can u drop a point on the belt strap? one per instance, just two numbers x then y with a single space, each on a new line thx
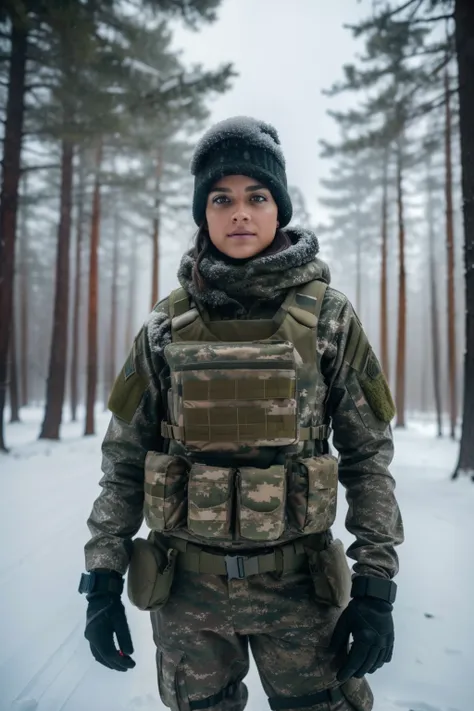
300 702
192 558
320 432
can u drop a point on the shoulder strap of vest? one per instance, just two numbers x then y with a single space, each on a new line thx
304 302
310 297
178 302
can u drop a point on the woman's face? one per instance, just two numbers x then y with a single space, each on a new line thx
241 216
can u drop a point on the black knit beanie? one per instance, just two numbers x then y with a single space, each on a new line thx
240 146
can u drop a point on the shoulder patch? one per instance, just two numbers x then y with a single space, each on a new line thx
376 389
128 389
129 367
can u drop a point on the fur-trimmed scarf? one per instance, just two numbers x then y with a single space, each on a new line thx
229 282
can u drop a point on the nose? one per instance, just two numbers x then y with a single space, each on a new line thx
240 214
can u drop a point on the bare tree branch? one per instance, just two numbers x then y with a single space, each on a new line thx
32 168
438 18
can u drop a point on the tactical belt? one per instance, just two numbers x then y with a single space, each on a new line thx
318 432
282 559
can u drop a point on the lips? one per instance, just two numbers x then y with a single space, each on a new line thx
241 234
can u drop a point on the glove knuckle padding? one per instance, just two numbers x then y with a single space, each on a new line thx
371 625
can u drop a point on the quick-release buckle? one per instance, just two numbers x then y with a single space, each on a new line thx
235 567
86 583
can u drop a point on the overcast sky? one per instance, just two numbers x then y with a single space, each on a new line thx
286 52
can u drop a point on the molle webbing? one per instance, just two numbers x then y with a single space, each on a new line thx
257 402
319 432
234 392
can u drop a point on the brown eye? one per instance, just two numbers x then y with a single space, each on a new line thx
258 198
220 200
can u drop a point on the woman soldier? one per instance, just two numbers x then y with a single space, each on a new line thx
219 439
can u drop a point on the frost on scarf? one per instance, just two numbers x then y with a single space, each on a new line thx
158 327
265 277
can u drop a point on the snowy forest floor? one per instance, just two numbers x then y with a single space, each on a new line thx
45 664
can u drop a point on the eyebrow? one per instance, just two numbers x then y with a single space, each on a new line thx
249 189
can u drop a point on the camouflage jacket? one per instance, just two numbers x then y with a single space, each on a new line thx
361 435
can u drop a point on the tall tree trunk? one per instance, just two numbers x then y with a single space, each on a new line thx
77 288
12 142
24 299
383 277
14 395
434 312
464 18
132 292
451 316
156 230
111 360
58 355
93 300
401 331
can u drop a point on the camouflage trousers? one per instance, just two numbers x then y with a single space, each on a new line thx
204 631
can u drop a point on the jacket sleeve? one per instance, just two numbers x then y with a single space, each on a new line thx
361 408
117 513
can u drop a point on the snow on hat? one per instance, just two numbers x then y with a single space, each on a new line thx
240 146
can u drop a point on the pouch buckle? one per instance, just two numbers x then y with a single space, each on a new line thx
235 567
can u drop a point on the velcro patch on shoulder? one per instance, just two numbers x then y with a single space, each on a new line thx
305 301
376 389
129 367
127 390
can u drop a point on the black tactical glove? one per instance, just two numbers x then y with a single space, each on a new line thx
370 622
106 616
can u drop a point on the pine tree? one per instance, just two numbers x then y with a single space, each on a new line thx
17 18
433 288
464 19
59 94
431 15
383 122
353 231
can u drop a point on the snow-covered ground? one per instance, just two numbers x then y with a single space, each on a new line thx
45 664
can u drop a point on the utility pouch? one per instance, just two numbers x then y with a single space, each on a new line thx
312 495
150 573
210 501
262 502
166 479
331 574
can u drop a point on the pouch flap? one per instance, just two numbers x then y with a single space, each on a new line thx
322 471
209 486
163 473
263 489
149 575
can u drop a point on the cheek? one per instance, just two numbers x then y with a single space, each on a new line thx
216 224
268 218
